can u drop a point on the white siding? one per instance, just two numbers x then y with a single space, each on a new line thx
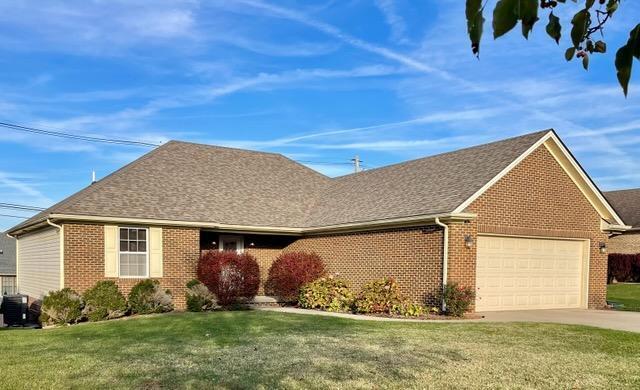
39 263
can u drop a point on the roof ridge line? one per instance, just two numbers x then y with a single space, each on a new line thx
443 153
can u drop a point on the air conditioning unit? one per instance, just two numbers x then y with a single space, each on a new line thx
14 310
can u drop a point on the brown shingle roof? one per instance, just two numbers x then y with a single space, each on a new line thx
200 183
627 205
426 186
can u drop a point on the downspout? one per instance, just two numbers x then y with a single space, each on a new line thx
445 258
61 249
53 224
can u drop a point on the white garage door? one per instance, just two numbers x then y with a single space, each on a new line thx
526 273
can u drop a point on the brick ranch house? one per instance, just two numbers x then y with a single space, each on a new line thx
627 205
518 220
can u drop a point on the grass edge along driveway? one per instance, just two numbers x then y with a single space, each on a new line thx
256 349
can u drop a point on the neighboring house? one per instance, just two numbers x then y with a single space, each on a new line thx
627 204
518 220
7 265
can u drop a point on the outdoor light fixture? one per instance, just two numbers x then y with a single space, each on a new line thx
468 240
252 244
603 247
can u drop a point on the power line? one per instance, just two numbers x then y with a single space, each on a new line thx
20 207
62 134
115 141
13 216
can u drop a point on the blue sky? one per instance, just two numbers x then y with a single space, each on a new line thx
319 81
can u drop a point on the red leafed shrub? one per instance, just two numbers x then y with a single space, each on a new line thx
229 275
290 271
624 268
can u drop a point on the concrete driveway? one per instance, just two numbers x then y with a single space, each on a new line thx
610 319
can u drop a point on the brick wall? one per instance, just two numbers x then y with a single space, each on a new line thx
537 198
84 259
413 256
628 243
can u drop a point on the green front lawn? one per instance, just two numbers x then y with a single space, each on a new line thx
627 294
253 349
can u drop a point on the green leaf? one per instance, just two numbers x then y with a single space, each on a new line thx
600 47
634 41
475 22
554 28
585 62
612 6
505 17
589 4
580 23
528 13
624 62
568 55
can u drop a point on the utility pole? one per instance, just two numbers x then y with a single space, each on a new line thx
356 163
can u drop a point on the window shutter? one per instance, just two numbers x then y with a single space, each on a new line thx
110 251
155 252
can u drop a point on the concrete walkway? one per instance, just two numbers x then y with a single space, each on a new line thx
608 319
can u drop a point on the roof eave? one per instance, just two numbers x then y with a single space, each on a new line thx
416 220
409 221
22 229
615 228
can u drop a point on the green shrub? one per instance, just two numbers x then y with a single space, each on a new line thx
199 298
409 309
457 299
148 297
61 307
380 296
327 294
104 301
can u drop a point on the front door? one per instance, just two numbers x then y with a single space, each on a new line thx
231 243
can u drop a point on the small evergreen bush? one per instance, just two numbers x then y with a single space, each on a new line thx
326 293
229 276
148 297
104 301
457 299
199 298
290 271
61 307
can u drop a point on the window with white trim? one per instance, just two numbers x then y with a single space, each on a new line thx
134 252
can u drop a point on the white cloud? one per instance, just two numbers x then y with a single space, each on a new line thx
29 194
393 19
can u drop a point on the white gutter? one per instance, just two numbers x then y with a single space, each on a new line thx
403 221
53 224
445 257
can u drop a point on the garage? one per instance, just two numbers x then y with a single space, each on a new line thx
520 273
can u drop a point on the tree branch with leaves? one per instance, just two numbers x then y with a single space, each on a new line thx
586 26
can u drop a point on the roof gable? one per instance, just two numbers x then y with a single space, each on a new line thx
570 165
